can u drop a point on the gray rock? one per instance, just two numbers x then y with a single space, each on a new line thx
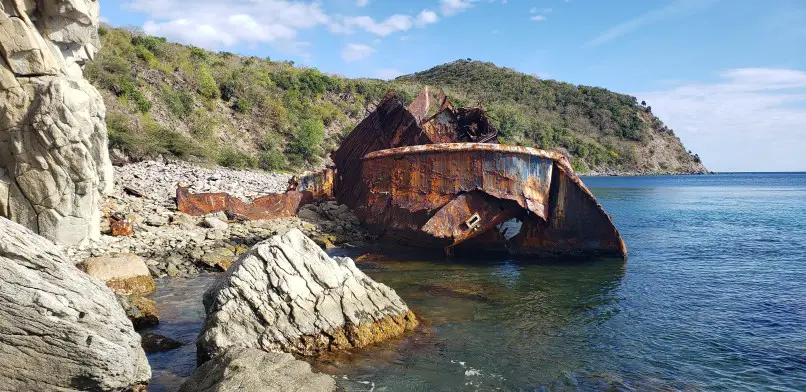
60 329
157 220
252 370
54 164
155 343
215 223
286 294
309 215
184 220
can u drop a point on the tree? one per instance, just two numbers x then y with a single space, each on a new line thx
643 103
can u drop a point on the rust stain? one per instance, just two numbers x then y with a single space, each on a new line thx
121 226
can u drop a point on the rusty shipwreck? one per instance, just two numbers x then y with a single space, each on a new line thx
435 177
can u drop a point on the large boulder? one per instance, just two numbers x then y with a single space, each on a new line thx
252 370
54 163
59 328
125 273
286 294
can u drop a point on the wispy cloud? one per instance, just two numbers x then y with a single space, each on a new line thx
751 119
676 7
453 7
538 18
362 3
392 24
426 17
355 52
214 24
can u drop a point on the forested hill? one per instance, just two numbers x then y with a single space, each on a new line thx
169 99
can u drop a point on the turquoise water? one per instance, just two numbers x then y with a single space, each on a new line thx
712 297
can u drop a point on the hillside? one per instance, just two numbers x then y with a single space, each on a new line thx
168 99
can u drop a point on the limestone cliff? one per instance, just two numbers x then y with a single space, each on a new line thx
54 163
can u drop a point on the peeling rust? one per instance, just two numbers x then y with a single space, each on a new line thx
272 206
319 184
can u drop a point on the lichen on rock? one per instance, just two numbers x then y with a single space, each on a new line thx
54 163
286 294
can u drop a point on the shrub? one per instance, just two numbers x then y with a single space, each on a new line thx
179 103
177 144
230 157
227 89
579 166
271 160
308 139
242 106
205 83
153 44
198 54
120 132
143 105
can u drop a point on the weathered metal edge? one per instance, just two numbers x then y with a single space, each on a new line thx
453 147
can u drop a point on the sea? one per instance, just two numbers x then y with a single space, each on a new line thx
711 298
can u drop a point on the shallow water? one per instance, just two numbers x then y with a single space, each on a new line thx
713 297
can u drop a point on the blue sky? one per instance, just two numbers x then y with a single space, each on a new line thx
728 75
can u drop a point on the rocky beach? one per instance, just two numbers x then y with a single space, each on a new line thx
177 244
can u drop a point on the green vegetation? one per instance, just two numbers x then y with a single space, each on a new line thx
166 98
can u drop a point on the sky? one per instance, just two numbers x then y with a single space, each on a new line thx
729 76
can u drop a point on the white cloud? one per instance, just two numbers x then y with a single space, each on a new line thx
426 17
538 18
387 73
677 7
215 24
356 52
751 119
362 3
392 24
453 7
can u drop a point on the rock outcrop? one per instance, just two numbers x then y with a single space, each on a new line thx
60 329
252 370
54 163
286 294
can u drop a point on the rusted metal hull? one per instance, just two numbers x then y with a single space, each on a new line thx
272 206
432 176
430 196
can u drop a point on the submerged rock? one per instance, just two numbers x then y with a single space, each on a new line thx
60 329
140 310
252 370
286 294
155 343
